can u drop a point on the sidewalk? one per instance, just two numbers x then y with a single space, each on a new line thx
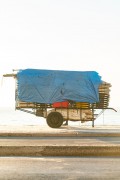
70 130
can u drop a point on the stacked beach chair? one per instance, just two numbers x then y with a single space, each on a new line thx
104 96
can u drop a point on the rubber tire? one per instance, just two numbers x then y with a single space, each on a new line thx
54 120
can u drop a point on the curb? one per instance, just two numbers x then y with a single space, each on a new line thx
75 134
60 151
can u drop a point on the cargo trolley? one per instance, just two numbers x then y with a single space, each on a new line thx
62 110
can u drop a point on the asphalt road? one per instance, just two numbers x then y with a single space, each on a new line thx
59 140
59 168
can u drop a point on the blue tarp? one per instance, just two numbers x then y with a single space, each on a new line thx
49 86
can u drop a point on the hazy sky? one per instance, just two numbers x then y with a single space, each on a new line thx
60 34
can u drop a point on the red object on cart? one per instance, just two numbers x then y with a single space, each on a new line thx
61 104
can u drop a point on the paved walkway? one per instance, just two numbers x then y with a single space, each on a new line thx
45 130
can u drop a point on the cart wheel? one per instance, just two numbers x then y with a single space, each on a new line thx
54 119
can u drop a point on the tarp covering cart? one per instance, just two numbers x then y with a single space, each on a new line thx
61 96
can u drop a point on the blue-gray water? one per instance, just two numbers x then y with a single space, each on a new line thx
8 116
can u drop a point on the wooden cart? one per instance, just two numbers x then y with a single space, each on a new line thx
66 111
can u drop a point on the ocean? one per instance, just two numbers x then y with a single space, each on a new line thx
10 116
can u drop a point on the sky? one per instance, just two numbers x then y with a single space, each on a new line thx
82 35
